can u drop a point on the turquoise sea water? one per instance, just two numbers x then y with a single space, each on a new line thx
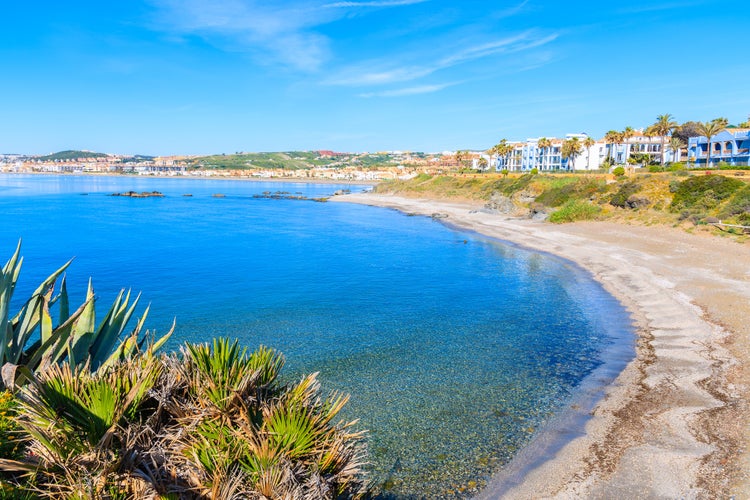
455 348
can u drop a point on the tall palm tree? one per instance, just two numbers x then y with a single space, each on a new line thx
588 142
676 144
612 138
663 126
544 144
710 129
571 149
501 150
460 156
626 135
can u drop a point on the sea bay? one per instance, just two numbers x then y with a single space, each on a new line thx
455 348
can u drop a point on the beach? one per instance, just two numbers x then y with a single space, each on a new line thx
673 423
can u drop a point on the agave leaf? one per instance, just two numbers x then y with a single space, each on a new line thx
45 319
111 328
8 279
57 344
155 346
64 302
23 326
83 328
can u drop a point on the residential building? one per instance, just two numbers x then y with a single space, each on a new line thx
638 143
528 155
731 145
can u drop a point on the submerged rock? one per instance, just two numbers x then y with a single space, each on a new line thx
144 194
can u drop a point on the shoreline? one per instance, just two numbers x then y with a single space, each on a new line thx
672 423
289 180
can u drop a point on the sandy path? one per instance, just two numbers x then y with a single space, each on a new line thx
673 425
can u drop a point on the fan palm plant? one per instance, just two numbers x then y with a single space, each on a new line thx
283 439
210 422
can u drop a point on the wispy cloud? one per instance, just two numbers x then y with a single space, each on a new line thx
362 75
655 7
421 89
382 3
284 32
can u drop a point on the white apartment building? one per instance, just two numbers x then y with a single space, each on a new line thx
638 143
528 155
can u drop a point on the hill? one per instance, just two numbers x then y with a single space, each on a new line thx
289 160
71 155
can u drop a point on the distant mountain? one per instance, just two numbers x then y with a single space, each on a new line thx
71 155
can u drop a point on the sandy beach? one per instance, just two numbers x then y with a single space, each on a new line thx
674 422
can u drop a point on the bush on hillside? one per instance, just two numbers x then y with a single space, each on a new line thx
560 193
620 198
738 207
575 210
619 171
703 192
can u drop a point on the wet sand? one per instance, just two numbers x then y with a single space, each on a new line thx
674 423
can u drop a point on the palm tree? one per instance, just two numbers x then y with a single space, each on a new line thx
663 126
710 129
544 144
459 156
675 144
501 150
626 135
571 149
612 137
588 142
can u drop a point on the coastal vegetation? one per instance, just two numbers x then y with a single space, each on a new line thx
103 415
678 198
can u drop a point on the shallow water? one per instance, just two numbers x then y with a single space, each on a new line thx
455 348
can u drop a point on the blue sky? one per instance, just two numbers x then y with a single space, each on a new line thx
200 76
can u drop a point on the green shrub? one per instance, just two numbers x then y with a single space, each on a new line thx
738 206
423 177
575 210
568 188
703 191
620 198
619 171
676 167
655 168
534 171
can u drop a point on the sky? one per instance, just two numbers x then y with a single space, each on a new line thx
164 77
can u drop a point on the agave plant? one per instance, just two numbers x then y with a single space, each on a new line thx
29 342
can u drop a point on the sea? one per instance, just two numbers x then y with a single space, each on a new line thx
458 350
